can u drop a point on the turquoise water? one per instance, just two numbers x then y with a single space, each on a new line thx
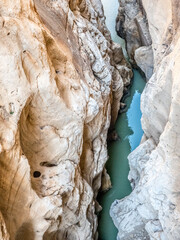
128 126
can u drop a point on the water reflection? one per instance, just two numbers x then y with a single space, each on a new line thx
129 129
134 115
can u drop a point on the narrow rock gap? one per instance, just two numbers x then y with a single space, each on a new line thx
129 131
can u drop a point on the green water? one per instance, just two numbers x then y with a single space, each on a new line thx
128 126
129 129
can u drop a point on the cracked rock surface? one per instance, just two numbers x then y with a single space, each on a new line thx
61 77
154 166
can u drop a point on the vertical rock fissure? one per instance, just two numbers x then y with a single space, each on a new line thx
128 127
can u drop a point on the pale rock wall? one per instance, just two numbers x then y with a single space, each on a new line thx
152 210
59 75
145 60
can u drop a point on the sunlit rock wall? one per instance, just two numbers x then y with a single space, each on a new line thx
153 209
60 74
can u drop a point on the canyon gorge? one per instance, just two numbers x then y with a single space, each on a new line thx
62 82
152 209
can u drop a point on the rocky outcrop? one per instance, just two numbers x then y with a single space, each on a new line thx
144 59
132 25
154 207
60 73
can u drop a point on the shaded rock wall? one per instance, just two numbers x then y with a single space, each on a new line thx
60 73
154 203
132 25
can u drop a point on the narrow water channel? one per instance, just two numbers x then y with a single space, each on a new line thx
128 126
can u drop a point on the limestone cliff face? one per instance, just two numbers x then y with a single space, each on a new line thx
132 25
60 73
153 209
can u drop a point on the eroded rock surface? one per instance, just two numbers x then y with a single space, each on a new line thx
60 73
132 25
155 165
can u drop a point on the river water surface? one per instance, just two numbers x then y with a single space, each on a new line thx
129 128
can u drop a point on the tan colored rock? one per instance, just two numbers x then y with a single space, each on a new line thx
154 207
3 231
106 181
58 79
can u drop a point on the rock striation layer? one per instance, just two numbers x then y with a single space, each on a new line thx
154 207
61 76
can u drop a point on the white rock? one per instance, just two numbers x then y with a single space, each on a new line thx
155 164
144 59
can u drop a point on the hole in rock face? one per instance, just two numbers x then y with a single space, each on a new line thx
48 164
36 174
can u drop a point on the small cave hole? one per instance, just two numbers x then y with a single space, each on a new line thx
36 174
48 164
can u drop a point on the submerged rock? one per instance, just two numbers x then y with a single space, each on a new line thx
106 181
113 136
123 108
